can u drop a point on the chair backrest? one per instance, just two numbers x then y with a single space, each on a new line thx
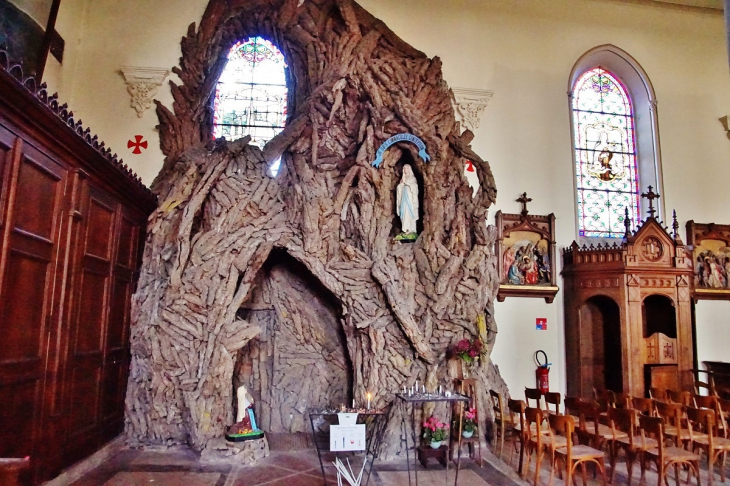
553 398
624 420
572 405
533 419
533 394
497 404
653 426
622 400
699 419
604 398
516 407
657 393
709 401
723 409
563 425
670 412
682 397
645 406
701 385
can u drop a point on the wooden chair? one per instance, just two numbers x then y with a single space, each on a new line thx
606 398
674 428
590 430
723 406
705 401
709 442
499 421
533 394
665 457
533 420
571 455
552 398
517 425
645 406
622 400
572 407
657 393
681 397
625 420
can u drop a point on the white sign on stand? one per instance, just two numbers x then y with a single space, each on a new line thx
347 438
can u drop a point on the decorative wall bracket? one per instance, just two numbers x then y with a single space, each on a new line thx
725 124
469 105
143 84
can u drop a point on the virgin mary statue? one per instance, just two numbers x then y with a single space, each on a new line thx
407 199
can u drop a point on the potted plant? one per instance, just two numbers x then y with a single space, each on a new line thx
434 431
469 351
470 424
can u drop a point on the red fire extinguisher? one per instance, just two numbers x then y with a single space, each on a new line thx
542 381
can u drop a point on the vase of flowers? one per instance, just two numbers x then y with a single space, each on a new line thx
469 351
470 424
434 431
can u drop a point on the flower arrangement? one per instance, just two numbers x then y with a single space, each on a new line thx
434 430
469 350
470 417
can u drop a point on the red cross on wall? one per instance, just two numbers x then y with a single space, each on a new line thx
137 144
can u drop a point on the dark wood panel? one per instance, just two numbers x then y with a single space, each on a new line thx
84 411
92 307
127 237
99 230
22 306
118 314
17 414
41 186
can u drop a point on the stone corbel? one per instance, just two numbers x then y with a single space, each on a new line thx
143 84
469 105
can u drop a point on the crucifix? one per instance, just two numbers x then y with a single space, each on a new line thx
524 200
651 195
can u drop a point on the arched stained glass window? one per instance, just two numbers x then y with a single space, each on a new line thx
605 154
250 98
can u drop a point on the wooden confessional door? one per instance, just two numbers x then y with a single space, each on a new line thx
34 210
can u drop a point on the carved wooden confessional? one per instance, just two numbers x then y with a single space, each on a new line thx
628 323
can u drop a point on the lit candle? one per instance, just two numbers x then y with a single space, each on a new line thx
439 389
369 400
424 389
353 403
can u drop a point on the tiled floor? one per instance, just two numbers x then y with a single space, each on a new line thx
181 467
176 467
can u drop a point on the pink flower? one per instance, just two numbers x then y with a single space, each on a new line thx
473 353
462 345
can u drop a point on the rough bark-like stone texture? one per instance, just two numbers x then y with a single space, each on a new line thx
353 84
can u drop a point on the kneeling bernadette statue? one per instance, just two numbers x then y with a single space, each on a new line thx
245 427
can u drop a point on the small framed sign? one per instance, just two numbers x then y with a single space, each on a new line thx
347 438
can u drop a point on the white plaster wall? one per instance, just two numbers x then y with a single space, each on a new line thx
523 50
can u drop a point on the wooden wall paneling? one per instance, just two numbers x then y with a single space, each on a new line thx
92 294
72 220
30 294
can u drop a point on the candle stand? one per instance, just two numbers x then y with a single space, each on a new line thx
413 400
375 421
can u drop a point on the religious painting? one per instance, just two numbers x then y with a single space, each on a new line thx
526 254
710 244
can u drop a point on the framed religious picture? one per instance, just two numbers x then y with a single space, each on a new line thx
526 254
710 245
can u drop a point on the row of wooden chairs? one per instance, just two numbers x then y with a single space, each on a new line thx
615 420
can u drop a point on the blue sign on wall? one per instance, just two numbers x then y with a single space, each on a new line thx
401 137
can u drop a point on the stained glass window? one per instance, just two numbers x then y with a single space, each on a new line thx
250 98
605 155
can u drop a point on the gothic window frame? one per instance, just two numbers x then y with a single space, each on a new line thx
254 86
640 91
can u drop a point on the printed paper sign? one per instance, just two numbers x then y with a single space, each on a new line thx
541 323
347 438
